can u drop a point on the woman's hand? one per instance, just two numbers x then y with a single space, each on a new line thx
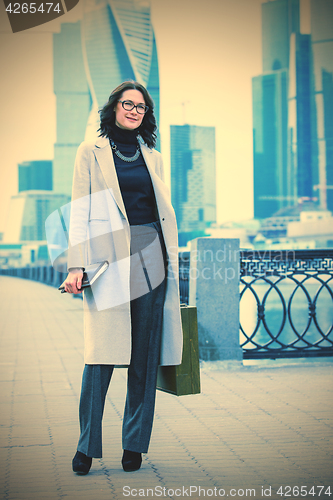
73 281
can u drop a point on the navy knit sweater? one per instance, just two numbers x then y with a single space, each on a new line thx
134 179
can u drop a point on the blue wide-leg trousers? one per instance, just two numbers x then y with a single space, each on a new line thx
146 320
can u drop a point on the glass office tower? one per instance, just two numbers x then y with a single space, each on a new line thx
280 18
73 103
270 134
322 47
293 109
193 179
114 42
285 149
302 132
35 174
28 211
118 44
273 188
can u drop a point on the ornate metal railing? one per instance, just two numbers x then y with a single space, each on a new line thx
49 276
45 274
292 293
286 302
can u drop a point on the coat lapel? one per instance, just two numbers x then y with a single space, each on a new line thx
160 188
104 158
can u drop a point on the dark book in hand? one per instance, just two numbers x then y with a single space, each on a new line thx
90 275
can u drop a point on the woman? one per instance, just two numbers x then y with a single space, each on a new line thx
121 212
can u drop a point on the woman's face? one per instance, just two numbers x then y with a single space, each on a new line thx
129 120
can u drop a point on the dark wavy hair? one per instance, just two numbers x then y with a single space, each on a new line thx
148 126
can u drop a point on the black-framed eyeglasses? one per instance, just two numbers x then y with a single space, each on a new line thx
129 105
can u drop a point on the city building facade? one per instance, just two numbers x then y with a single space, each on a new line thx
35 174
273 178
293 109
73 102
322 50
270 134
28 211
114 42
193 179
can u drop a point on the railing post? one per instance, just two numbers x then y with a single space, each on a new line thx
49 275
214 290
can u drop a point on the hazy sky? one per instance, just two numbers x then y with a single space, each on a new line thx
208 51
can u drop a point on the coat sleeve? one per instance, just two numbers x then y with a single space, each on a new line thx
80 208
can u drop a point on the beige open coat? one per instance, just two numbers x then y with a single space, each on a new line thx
99 230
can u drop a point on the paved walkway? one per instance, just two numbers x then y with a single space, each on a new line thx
251 427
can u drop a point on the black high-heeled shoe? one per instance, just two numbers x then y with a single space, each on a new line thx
81 463
131 461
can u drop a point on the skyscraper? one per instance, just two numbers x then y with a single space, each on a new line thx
35 174
322 48
73 103
118 44
273 188
302 130
114 42
270 134
193 183
28 211
280 18
34 202
293 108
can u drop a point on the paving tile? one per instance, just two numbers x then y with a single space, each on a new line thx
249 427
